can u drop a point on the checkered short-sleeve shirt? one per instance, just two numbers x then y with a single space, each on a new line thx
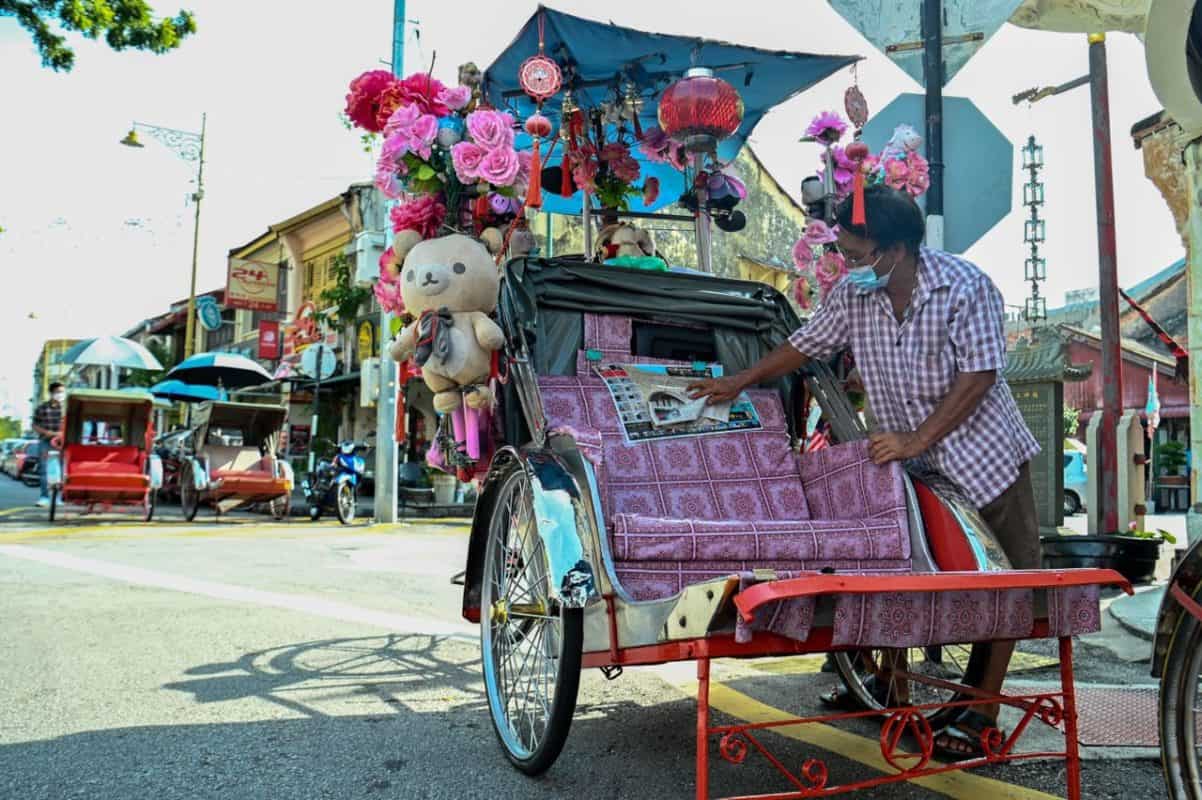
954 324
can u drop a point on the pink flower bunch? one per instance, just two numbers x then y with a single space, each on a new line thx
489 155
657 147
803 254
910 174
827 127
818 233
409 130
621 163
388 295
585 167
424 214
803 292
845 170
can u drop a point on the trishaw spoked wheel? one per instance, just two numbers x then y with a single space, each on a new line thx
880 678
530 645
280 506
346 504
1180 717
189 497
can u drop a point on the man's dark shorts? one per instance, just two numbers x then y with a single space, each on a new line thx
1015 522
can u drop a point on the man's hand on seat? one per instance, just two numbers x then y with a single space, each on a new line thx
717 390
886 447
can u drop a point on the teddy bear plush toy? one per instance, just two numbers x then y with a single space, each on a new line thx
450 284
624 240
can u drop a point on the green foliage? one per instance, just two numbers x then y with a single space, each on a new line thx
614 192
124 24
1159 533
367 139
10 427
1170 456
146 379
1072 418
345 297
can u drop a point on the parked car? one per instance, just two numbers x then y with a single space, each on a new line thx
1076 481
7 447
21 462
30 471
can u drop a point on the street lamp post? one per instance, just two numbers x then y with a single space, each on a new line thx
190 147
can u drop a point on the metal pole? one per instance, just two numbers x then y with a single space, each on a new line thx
1193 160
190 326
316 409
932 62
385 500
1108 290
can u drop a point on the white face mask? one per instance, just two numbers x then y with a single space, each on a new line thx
58 397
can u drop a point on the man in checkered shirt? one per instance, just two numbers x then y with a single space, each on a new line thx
47 422
926 331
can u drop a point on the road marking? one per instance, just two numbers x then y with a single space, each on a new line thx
241 594
10 511
118 531
959 785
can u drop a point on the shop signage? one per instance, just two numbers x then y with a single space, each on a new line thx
367 341
302 331
208 313
252 285
269 339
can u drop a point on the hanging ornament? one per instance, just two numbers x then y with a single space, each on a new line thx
857 151
633 106
539 128
540 78
699 110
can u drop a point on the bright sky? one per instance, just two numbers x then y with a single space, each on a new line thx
98 236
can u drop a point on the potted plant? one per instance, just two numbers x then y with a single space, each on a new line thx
1133 554
1170 459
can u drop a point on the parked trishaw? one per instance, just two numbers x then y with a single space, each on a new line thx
232 459
102 458
602 540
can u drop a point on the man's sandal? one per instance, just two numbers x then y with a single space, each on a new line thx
961 739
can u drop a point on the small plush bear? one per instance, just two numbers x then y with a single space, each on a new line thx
623 239
450 284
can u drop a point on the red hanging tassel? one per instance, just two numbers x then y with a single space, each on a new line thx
481 212
857 152
534 192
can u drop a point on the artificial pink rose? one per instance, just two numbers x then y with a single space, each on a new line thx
803 254
423 132
388 181
490 129
650 190
363 100
802 292
818 233
827 126
525 163
654 145
919 182
614 151
424 214
467 157
499 166
424 91
388 294
455 97
829 270
402 119
896 173
386 266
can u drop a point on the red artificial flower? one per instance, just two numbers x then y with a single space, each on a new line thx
424 214
363 100
425 92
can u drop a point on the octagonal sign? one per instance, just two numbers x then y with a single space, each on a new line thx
978 159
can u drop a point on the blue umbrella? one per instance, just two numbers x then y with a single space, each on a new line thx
228 370
187 392
604 57
110 351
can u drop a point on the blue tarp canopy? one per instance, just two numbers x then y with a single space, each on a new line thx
599 58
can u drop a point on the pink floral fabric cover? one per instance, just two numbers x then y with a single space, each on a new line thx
687 510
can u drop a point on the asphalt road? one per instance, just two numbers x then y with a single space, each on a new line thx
249 659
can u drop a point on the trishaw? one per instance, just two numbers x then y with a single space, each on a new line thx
592 547
103 455
1177 661
231 459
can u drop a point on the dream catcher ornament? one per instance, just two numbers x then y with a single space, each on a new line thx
541 79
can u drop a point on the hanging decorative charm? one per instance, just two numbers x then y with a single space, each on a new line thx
540 78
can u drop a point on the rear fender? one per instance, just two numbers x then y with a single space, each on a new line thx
1189 577
561 517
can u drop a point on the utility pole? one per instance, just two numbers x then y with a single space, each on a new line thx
932 62
1107 501
1108 289
385 501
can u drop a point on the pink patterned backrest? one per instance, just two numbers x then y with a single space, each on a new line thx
741 475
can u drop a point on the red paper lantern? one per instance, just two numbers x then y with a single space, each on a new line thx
699 110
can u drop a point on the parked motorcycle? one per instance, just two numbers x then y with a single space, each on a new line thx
334 483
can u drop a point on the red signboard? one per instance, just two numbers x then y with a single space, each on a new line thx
269 340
